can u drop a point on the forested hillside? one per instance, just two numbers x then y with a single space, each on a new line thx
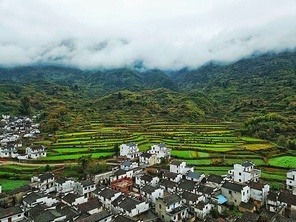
249 91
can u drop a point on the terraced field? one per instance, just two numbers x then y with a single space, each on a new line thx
211 148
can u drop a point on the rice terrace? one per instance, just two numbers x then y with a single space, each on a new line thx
211 148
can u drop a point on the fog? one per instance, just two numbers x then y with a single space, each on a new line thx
158 34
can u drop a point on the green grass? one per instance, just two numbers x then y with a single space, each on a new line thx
250 139
184 154
199 162
8 185
75 156
283 161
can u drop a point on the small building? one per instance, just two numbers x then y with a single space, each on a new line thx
291 181
168 185
128 165
73 199
120 174
172 176
142 179
180 167
202 209
36 152
107 195
148 159
12 214
194 176
124 185
151 193
171 208
44 182
8 152
85 188
258 193
130 150
161 151
102 216
34 198
235 193
64 185
132 207
245 172
90 207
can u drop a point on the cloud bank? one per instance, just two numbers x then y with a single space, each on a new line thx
166 34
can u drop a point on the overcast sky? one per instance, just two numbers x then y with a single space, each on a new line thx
165 34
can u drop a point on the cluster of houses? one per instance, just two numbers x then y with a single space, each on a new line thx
15 131
138 191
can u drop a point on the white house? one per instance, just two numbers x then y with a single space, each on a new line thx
107 195
235 193
128 165
148 159
64 185
8 152
73 199
151 193
132 207
291 181
171 208
175 177
36 152
11 214
44 182
130 150
193 176
85 188
34 198
120 174
180 167
161 151
259 192
143 179
202 209
245 172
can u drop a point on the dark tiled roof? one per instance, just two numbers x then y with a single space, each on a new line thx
256 185
170 175
48 216
171 199
146 155
215 178
32 197
247 216
118 200
69 212
126 163
190 196
120 172
200 205
10 211
287 198
193 175
168 183
96 217
233 186
147 216
122 218
146 177
187 185
205 189
108 193
175 162
148 189
247 164
37 210
87 183
272 196
61 180
89 205
128 204
71 197
131 144
45 176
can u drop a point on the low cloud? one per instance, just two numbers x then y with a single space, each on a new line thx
159 34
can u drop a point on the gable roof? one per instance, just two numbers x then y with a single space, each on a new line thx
146 177
89 205
247 164
146 155
120 172
107 193
215 178
190 196
122 218
61 180
149 189
205 189
170 175
45 176
96 217
287 198
175 162
193 175
168 183
128 204
10 211
233 186
86 183
48 215
32 197
126 163
187 185
256 185
71 197
171 199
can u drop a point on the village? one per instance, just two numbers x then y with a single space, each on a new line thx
144 186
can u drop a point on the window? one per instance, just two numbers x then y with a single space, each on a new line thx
240 174
159 206
240 180
230 192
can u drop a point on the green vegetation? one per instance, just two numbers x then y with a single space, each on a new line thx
8 185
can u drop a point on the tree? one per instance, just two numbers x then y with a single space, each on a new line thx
116 149
25 108
84 162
